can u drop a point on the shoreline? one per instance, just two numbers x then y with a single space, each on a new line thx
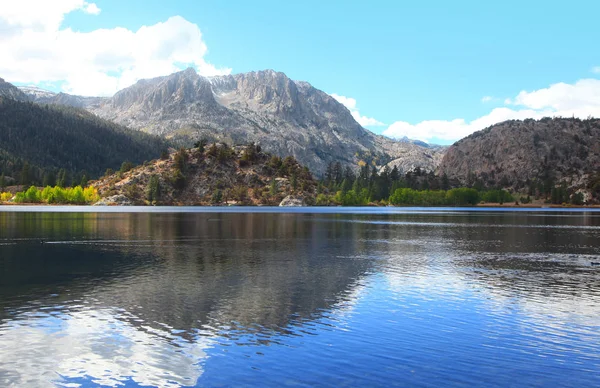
375 210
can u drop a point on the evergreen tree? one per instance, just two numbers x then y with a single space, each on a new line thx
217 196
338 174
201 145
84 180
25 175
2 181
49 179
61 180
445 182
153 189
273 188
395 174
294 181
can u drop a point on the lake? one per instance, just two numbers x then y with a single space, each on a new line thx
298 297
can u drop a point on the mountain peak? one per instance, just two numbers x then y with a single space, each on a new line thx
190 72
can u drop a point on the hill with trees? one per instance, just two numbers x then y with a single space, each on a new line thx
52 144
210 174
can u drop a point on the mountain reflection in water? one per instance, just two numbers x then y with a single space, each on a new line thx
182 299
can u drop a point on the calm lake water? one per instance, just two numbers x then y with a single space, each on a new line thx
300 298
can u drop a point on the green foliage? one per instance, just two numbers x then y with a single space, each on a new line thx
275 162
180 160
125 167
200 145
406 196
273 189
153 189
497 196
25 176
240 194
61 180
525 200
178 179
322 200
217 196
2 181
225 153
58 195
84 180
577 199
559 195
132 192
294 181
351 198
462 196
249 155
453 197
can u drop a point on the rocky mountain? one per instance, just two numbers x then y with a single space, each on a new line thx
515 153
10 91
408 155
42 96
286 117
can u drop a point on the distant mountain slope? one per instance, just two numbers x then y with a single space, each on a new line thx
42 96
514 153
11 91
286 117
59 137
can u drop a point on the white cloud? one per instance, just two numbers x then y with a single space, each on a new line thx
596 69
36 49
350 103
487 98
581 99
92 9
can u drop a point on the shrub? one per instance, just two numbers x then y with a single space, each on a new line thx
5 197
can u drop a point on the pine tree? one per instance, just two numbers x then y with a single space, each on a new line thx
395 174
2 181
25 175
445 182
153 189
273 188
84 180
294 181
61 180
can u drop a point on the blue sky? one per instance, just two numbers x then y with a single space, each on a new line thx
406 62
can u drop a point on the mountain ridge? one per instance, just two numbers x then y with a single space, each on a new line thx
286 117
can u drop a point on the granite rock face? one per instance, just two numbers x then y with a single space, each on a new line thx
286 117
114 200
511 153
293 201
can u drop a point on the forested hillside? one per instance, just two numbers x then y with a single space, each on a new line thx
42 144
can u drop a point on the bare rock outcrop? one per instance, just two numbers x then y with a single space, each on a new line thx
515 153
293 201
